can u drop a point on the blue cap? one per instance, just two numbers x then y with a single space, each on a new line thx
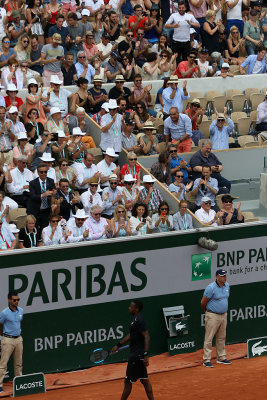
221 272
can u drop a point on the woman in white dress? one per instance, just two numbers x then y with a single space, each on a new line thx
140 223
53 234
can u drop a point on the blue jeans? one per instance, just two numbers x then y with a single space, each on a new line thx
250 50
239 23
153 113
199 30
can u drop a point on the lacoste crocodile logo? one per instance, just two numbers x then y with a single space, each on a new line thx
258 350
179 326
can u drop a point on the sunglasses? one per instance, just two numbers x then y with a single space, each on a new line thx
16 66
6 41
164 55
150 183
130 35
164 209
121 212
93 185
140 34
228 202
80 219
15 299
207 202
139 107
129 183
55 220
173 151
132 159
191 56
81 57
26 41
42 172
179 176
113 183
23 163
64 165
96 214
138 80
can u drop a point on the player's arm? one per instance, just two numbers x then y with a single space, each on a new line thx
204 302
146 345
125 340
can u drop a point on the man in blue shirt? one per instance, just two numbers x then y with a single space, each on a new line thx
174 96
59 28
215 304
219 133
178 164
256 63
11 343
179 128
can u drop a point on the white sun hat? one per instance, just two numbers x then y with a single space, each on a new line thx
47 157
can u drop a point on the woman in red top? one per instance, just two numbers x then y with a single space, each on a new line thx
131 168
10 5
51 11
195 113
11 99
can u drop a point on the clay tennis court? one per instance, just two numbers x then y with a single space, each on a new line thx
245 379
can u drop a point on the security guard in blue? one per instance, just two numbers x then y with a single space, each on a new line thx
11 343
215 304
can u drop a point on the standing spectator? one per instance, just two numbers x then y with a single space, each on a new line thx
195 113
33 100
199 9
10 321
68 70
51 55
111 126
173 96
138 20
106 167
182 220
178 126
89 47
181 22
219 134
234 14
252 33
35 55
98 27
141 48
155 24
188 69
85 20
34 17
150 196
112 67
97 95
112 25
76 35
235 44
215 304
83 68
211 32
256 63
60 29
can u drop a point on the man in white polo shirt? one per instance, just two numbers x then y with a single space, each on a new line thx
107 167
111 128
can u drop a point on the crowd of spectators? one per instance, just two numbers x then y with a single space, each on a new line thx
46 165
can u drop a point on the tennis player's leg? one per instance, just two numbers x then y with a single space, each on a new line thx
148 388
127 390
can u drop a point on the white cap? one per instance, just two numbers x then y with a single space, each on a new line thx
22 135
80 214
13 109
110 152
205 199
55 79
77 132
54 110
32 81
192 30
105 106
129 178
148 179
61 134
85 11
11 87
47 157
112 104
225 65
13 228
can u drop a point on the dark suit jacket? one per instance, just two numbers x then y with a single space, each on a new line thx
66 207
34 202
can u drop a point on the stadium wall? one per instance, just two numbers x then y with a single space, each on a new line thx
76 298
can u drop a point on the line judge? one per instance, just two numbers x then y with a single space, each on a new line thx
11 343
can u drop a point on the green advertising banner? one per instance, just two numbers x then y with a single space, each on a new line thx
29 384
257 347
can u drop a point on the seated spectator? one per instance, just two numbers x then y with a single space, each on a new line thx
83 68
81 98
261 124
178 188
106 167
6 138
112 67
152 68
161 45
173 96
130 193
178 128
40 147
206 215
105 48
205 186
56 123
35 55
6 204
195 113
53 234
205 157
47 160
252 33
98 116
7 239
41 191
51 56
149 143
159 99
57 96
219 133
23 48
22 149
16 28
91 197
182 220
76 225
89 47
129 68
178 164
225 71
138 20
150 195
8 54
167 64
235 46
120 223
119 91
129 141
33 100
96 95
111 127
33 128
127 46
16 126
162 221
66 201
161 169
255 62
13 75
98 26
140 93
188 69
229 214
30 236
111 196
84 171
68 70
202 62
131 168
99 228
140 222
194 44
211 31
141 116
64 171
61 148
79 147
